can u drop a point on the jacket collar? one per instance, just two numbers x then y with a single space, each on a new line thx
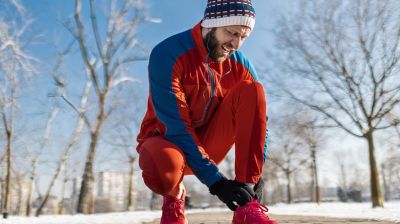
198 41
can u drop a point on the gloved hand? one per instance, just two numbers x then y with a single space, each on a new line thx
232 193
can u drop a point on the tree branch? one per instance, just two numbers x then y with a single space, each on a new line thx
84 51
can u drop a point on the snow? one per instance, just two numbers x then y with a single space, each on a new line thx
391 212
109 218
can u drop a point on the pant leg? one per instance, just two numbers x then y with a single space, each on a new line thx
162 165
241 120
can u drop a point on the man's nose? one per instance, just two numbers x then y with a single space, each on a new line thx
236 43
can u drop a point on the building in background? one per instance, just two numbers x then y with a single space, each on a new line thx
110 191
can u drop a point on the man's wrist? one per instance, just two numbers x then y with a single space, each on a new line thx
217 186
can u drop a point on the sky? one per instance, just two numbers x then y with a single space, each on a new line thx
176 16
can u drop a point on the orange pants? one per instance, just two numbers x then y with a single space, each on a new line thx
240 119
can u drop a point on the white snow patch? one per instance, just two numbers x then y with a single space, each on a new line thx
391 212
109 218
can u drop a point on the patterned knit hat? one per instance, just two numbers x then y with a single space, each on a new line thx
229 12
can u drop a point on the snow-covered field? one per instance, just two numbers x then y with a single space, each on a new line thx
391 212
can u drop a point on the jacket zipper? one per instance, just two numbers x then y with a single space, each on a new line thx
212 90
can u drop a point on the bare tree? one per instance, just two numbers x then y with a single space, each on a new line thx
16 194
35 157
62 201
78 127
73 139
289 158
288 163
106 61
307 128
346 56
390 173
15 64
273 190
129 205
343 171
30 187
123 139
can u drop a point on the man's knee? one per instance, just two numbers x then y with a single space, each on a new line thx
160 185
162 164
250 87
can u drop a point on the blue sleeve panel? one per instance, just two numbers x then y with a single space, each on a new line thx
165 102
241 59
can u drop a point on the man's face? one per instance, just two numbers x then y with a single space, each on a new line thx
223 41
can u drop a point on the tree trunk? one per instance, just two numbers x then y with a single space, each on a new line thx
9 134
87 179
86 199
315 176
129 205
153 201
61 204
61 166
49 190
8 181
312 184
344 177
32 179
376 194
1 191
29 198
288 188
386 187
18 203
91 198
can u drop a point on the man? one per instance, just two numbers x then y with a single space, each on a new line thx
204 97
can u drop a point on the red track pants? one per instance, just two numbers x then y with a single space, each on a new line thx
240 119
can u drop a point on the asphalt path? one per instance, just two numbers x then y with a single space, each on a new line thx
226 218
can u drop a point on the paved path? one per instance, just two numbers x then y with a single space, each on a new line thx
226 218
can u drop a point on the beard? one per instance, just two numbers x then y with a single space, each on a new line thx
213 46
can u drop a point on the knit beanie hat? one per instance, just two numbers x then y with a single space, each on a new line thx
229 12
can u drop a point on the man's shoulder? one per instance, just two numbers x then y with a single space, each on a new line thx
238 56
175 45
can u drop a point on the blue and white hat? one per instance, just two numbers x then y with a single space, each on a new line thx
229 12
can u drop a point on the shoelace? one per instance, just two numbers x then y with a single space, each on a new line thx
257 209
176 207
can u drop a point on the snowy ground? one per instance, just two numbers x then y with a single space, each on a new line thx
391 212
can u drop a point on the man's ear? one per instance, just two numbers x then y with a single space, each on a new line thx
205 31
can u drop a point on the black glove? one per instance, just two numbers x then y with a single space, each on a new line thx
232 193
258 190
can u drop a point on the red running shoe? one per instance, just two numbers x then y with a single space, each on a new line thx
173 210
252 213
